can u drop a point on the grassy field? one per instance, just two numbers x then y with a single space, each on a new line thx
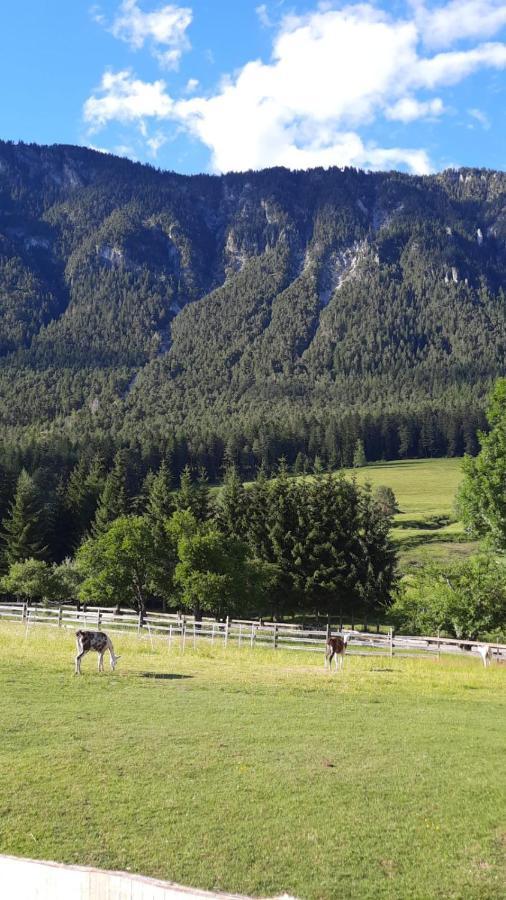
425 489
255 771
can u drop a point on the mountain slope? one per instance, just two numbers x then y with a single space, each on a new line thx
137 301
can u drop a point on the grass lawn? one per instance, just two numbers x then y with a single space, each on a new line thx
255 771
425 489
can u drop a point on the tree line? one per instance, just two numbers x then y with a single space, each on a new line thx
278 545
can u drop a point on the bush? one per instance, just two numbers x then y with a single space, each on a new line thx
466 599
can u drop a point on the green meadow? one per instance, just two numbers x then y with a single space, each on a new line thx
255 771
426 526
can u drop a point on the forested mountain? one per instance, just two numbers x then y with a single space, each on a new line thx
248 315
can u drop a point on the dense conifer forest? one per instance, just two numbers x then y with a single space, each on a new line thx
245 317
159 332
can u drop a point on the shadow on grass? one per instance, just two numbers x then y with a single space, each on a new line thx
419 540
430 524
165 676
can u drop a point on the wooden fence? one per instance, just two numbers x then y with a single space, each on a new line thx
180 632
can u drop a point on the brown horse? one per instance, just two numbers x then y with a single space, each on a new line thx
335 649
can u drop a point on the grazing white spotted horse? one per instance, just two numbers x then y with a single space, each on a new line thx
485 651
335 649
94 640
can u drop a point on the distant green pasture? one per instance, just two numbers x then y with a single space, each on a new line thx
255 771
426 526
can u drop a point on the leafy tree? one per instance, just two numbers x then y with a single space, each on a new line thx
24 525
385 500
482 497
67 580
30 580
117 565
466 599
214 572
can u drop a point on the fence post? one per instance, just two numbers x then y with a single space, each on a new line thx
240 633
183 634
170 637
99 619
25 608
194 636
439 644
253 629
391 641
276 636
227 626
59 616
328 630
139 623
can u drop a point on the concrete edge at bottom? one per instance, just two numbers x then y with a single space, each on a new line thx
48 880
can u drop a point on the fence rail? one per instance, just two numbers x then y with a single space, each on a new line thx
186 631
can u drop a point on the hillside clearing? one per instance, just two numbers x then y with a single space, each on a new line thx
425 528
255 771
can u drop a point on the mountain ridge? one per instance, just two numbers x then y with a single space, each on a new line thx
132 298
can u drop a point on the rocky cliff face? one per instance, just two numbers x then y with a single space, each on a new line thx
125 291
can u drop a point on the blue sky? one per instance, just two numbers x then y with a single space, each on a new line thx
216 86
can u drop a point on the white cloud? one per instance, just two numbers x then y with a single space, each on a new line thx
450 68
459 20
263 15
332 73
191 85
164 30
124 98
154 143
480 117
407 109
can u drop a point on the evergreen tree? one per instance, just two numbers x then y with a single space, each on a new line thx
186 496
113 499
359 457
482 496
202 497
24 525
258 517
231 506
84 487
160 501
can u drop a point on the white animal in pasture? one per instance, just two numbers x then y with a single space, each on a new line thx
485 651
335 649
94 640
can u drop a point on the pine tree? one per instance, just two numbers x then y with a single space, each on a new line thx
113 499
160 501
24 525
258 518
84 487
186 497
231 506
202 497
283 532
359 457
